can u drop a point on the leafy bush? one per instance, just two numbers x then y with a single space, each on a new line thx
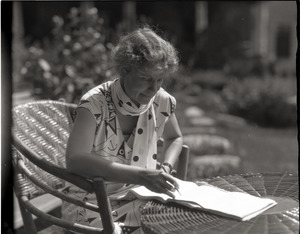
262 101
209 79
77 58
249 66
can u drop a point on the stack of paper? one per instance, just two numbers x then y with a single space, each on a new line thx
238 205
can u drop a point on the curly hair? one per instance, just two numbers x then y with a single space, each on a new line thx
144 48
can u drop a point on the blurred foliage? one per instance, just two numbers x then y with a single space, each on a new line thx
77 58
269 101
209 79
249 66
262 101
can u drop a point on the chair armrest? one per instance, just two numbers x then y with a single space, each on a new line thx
183 161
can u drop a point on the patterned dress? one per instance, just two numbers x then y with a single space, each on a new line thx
111 144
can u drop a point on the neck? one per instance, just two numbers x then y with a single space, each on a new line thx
124 88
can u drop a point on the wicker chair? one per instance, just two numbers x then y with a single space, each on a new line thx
39 137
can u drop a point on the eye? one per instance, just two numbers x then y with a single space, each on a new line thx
148 79
160 80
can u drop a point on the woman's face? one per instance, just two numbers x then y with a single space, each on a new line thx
141 85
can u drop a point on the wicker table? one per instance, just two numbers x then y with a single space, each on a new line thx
283 218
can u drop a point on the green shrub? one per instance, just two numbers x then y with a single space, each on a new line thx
76 59
262 101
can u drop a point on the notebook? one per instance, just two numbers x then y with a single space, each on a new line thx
238 205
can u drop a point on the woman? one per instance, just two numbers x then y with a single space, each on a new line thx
118 124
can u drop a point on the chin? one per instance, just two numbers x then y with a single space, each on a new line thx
145 100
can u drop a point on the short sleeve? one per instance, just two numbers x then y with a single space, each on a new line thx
93 101
172 104
165 103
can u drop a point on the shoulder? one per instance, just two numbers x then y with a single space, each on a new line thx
97 93
96 100
163 96
164 102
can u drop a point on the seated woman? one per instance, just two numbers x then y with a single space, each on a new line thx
118 124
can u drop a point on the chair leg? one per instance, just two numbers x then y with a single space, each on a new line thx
26 215
27 219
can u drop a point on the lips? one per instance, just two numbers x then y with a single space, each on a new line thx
145 95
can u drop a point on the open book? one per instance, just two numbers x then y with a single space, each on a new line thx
238 205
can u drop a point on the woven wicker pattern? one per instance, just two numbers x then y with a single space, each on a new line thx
284 218
44 127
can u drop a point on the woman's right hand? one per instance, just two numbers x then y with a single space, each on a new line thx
160 182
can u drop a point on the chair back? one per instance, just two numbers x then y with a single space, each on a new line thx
39 137
42 127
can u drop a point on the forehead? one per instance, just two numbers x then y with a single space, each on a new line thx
153 71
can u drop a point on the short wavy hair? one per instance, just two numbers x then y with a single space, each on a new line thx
144 48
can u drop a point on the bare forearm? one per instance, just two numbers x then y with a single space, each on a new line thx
172 149
90 165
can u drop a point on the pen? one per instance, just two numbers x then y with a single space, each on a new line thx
178 191
174 188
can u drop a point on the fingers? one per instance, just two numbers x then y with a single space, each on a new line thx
168 192
163 183
169 184
170 179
